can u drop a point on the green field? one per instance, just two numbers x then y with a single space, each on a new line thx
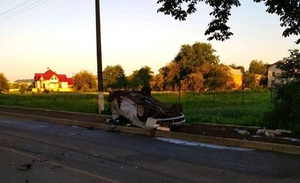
239 108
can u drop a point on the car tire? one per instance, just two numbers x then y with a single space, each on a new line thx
142 112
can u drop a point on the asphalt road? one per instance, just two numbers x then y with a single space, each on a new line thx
33 151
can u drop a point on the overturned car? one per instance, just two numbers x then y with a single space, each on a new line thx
140 109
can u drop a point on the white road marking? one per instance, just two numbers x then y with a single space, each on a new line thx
184 142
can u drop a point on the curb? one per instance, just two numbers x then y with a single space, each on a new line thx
281 148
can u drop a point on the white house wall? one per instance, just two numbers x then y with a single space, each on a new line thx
273 72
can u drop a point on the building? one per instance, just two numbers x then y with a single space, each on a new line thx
51 81
273 73
237 76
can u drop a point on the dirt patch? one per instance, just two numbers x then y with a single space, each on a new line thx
223 131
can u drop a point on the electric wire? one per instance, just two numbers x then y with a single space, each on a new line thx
22 10
22 4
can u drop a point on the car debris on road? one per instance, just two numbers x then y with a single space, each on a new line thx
139 108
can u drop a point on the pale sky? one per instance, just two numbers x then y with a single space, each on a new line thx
61 35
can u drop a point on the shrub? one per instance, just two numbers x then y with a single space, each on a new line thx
286 109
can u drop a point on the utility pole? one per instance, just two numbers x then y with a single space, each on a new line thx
99 58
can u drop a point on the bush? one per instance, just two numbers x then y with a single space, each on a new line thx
286 109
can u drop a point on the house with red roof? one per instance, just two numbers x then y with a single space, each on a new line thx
52 81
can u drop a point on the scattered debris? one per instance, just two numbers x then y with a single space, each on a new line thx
269 133
96 155
56 166
24 167
261 131
291 139
243 132
112 128
109 121
284 131
275 132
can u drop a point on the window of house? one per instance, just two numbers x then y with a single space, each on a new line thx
273 74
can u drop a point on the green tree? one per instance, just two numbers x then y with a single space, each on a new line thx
170 74
14 86
194 82
4 86
286 108
114 77
192 61
196 58
288 11
290 67
84 81
157 83
256 75
23 88
140 78
249 80
218 78
257 67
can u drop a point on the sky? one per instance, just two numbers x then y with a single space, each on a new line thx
61 35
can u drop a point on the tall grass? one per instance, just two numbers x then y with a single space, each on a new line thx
235 107
86 103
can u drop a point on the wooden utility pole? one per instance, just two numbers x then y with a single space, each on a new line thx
99 58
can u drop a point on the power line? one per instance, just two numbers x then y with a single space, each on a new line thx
23 9
22 4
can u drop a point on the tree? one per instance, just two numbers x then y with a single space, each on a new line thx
287 10
242 68
114 77
290 67
23 88
190 67
170 74
286 108
256 75
140 78
84 81
218 78
194 82
4 86
257 67
249 80
196 58
157 83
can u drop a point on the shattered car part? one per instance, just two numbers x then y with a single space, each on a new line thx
140 109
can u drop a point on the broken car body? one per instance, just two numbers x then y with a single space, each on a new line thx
142 110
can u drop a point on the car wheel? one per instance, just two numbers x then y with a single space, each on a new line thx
142 112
